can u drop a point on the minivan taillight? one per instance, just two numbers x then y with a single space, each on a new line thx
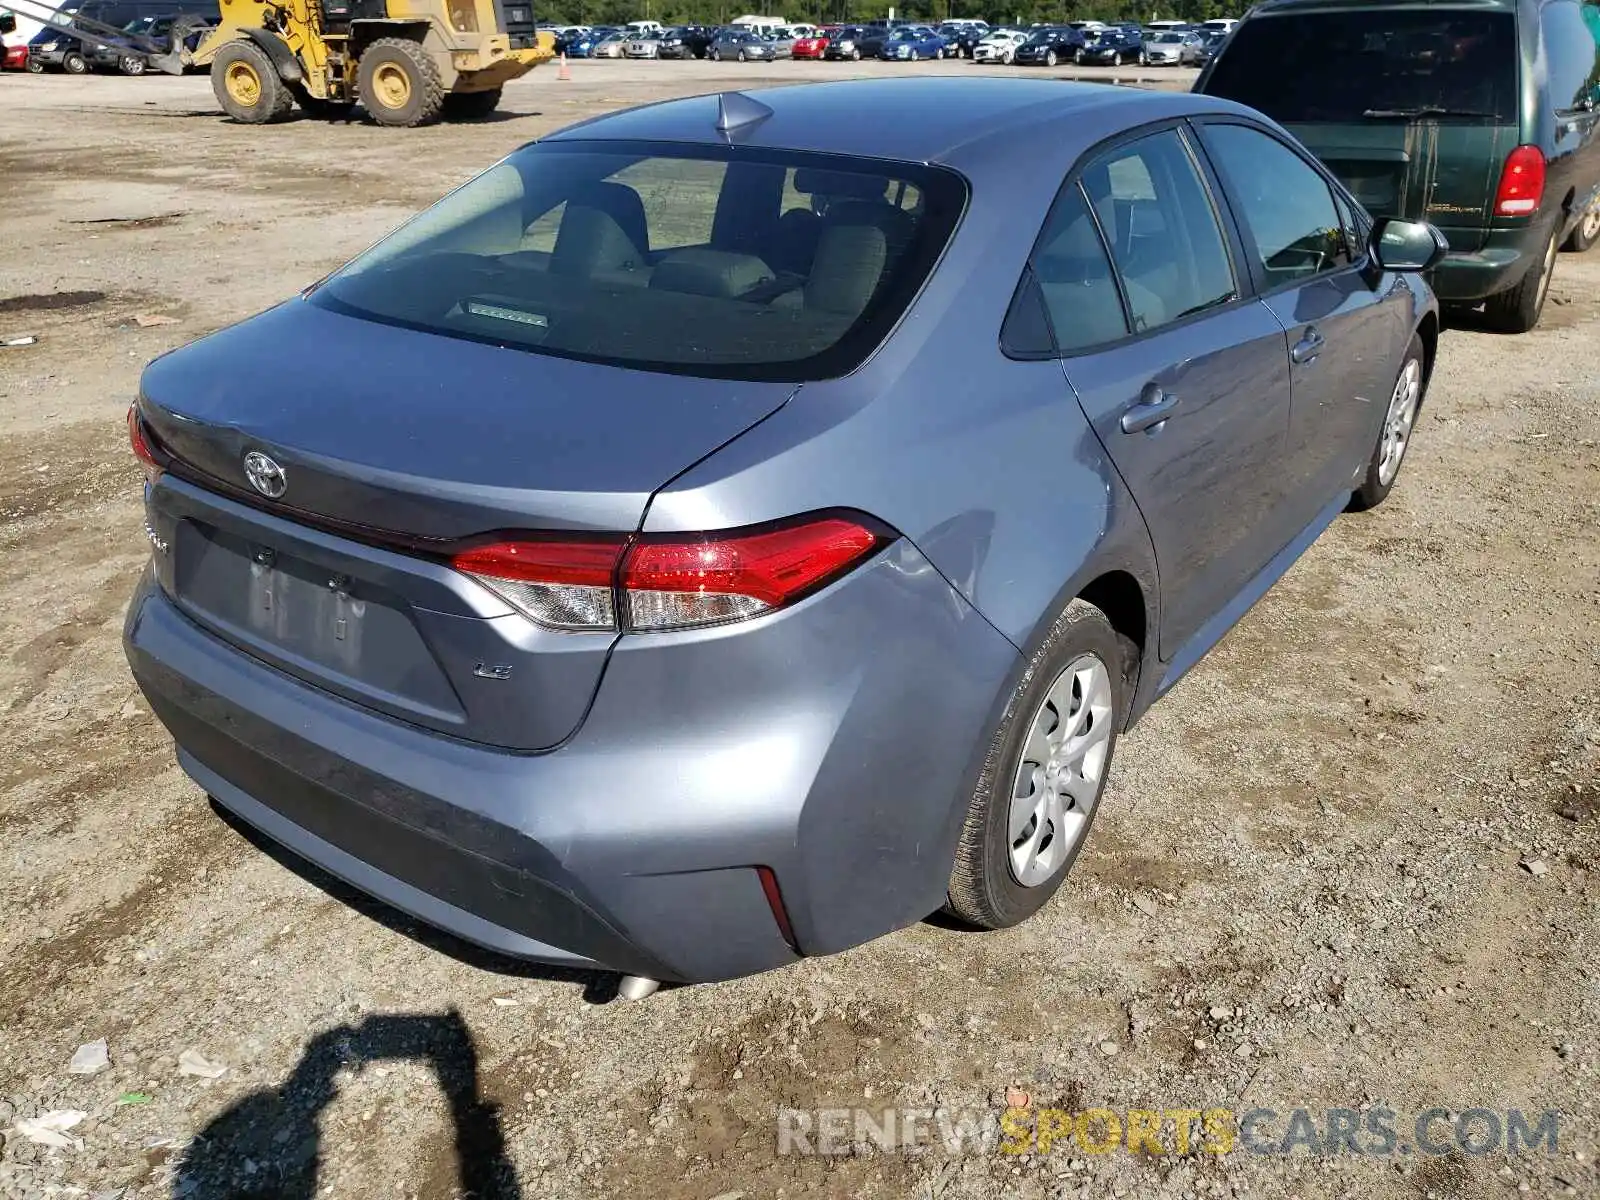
1521 183
669 581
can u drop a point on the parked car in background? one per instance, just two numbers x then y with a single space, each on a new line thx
585 45
56 48
568 35
612 45
1114 46
1219 25
14 58
782 40
961 36
684 41
1481 117
621 684
911 42
645 45
815 46
129 52
1050 45
872 37
846 43
1210 44
742 45
999 46
1174 49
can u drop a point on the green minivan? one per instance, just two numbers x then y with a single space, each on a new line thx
1479 116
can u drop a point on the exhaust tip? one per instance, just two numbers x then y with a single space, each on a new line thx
636 987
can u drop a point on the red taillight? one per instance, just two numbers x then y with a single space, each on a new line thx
559 583
672 583
1521 183
780 914
141 447
668 581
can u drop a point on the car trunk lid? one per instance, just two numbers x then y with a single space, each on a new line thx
396 446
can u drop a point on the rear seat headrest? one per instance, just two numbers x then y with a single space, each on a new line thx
702 272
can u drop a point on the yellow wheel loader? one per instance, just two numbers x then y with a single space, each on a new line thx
407 62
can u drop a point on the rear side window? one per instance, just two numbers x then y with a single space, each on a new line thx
1570 37
695 260
1374 64
1074 277
1287 210
1155 212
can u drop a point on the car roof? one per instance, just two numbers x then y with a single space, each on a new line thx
915 119
1271 7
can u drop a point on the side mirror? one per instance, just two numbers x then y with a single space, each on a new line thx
1400 245
8 23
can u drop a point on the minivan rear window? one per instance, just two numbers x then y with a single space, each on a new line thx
710 260
1373 64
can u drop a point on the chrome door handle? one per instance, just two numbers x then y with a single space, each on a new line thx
1308 347
1154 407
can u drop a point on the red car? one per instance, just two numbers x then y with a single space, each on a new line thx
813 46
16 58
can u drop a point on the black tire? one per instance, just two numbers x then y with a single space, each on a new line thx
1517 309
398 83
855 55
1375 489
35 67
74 63
131 65
983 889
741 56
1585 233
268 99
714 54
471 106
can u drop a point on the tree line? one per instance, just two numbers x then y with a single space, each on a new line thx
1010 12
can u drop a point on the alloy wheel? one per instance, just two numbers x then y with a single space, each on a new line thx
1063 763
1402 415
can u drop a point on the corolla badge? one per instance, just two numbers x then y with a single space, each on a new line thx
265 476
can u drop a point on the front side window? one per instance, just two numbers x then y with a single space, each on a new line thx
1284 203
1378 63
1156 213
696 260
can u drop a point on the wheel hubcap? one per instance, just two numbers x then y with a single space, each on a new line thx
1397 425
244 85
392 86
1063 763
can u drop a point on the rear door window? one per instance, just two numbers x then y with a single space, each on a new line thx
1075 279
1570 50
1374 64
1293 229
1155 211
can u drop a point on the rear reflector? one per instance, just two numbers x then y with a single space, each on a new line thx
668 581
141 447
780 914
1521 183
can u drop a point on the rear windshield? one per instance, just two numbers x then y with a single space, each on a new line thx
717 260
1373 64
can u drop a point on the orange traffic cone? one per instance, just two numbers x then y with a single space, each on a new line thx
563 74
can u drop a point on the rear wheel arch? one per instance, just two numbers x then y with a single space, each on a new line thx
1120 597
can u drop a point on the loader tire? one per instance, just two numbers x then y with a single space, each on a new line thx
398 83
247 86
471 106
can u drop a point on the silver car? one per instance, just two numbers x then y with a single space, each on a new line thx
1173 49
645 46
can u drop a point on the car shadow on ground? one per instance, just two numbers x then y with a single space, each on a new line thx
268 1145
599 987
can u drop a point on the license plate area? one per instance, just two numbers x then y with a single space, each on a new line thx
328 627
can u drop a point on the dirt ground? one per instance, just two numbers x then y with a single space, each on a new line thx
1352 861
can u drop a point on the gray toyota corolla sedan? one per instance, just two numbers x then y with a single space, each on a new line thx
735 528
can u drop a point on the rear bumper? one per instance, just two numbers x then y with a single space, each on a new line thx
832 742
1475 275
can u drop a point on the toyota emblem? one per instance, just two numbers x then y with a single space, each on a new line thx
265 476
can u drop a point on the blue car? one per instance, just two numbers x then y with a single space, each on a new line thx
689 577
910 42
584 45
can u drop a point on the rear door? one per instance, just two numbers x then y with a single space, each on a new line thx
1184 377
1342 333
1414 109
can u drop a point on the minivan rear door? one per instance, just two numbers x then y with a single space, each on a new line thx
1415 109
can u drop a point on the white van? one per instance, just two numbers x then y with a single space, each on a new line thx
642 29
758 24
1220 25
